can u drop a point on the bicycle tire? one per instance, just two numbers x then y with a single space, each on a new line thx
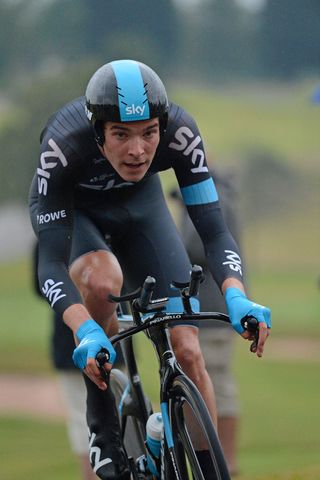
184 393
134 433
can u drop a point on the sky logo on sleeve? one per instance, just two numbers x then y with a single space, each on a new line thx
44 172
233 261
52 291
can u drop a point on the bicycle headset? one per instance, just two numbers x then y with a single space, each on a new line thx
125 91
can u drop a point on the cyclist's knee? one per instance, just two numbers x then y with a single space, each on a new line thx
190 359
98 288
188 353
96 275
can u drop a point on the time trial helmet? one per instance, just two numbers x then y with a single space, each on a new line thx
125 91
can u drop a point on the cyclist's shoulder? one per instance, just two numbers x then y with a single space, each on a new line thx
179 116
177 144
181 132
69 126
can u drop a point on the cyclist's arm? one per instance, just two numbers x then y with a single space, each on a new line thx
62 295
201 199
188 159
57 174
226 267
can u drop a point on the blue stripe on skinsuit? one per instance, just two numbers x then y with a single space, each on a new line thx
200 193
132 96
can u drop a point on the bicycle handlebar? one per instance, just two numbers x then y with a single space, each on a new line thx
145 296
155 319
141 298
102 358
141 302
195 280
251 324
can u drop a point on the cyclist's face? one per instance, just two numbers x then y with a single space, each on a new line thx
130 147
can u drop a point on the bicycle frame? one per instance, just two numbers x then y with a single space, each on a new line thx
156 329
150 316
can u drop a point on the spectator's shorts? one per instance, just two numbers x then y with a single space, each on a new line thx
217 348
74 395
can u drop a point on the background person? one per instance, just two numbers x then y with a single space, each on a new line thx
216 338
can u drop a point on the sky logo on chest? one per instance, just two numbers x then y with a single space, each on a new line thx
132 95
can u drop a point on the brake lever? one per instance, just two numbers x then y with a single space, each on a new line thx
124 298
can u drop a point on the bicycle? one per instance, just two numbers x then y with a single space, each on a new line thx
179 397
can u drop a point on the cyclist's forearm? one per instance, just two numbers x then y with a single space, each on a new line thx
222 252
232 283
75 315
54 279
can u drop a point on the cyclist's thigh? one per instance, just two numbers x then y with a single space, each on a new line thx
95 271
86 237
152 246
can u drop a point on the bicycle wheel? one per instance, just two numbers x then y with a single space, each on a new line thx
133 430
194 435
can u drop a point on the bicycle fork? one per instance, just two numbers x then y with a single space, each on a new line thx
168 369
168 445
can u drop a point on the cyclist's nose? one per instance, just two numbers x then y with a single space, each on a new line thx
136 147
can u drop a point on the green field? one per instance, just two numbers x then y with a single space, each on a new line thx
279 394
277 118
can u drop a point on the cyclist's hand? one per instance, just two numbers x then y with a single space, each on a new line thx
92 339
239 306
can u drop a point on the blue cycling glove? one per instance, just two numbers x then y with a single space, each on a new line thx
239 306
92 340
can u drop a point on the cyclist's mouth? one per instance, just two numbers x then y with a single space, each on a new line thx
135 166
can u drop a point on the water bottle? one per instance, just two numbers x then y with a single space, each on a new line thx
153 442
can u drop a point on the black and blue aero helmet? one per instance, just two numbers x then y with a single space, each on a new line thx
125 91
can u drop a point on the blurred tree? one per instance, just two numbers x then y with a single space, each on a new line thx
47 34
23 121
12 39
290 37
220 40
129 28
216 39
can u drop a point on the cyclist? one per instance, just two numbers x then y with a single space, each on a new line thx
97 179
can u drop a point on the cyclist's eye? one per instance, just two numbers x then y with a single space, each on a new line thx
150 133
120 135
